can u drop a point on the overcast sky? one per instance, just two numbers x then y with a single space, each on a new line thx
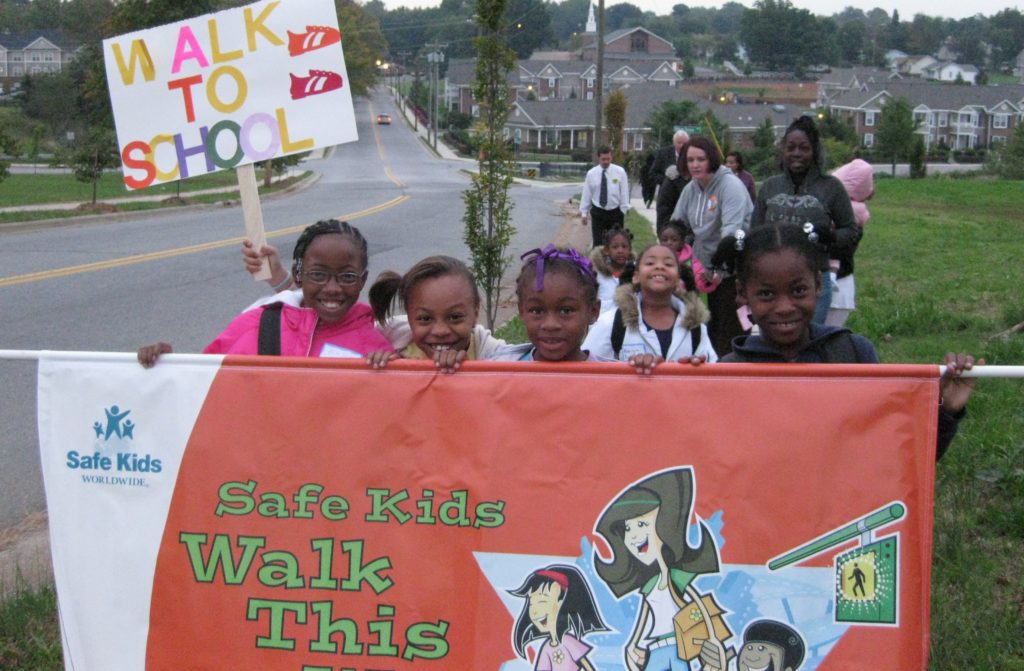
954 9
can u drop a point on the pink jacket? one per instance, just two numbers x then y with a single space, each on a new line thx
858 178
352 337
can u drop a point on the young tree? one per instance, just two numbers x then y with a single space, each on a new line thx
895 133
9 147
89 154
487 220
918 167
1009 161
615 119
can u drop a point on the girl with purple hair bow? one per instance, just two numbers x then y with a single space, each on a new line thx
557 294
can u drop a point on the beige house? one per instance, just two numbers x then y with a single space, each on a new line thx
39 52
961 117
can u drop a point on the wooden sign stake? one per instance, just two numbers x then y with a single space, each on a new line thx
253 214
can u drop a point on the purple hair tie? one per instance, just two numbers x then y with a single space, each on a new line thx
550 253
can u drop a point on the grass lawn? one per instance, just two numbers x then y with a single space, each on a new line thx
50 188
186 199
939 269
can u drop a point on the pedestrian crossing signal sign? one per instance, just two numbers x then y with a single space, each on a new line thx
866 586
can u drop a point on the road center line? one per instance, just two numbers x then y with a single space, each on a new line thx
178 251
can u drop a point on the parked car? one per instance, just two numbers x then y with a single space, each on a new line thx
384 119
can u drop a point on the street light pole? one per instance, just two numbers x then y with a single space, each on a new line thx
435 58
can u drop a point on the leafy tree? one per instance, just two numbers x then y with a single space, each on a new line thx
833 126
615 119
9 147
622 15
89 154
529 26
896 34
568 18
45 98
779 35
894 136
850 39
671 113
968 38
837 153
762 160
925 34
131 15
364 45
487 219
1006 34
1009 161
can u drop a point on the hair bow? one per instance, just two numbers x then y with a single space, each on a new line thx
552 253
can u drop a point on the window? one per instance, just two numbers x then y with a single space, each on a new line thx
869 119
943 119
869 139
998 139
638 142
638 43
590 83
552 82
1001 121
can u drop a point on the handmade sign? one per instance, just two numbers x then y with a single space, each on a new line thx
226 89
305 515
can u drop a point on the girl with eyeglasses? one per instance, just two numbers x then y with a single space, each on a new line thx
323 318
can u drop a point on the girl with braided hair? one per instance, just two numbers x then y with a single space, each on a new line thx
322 318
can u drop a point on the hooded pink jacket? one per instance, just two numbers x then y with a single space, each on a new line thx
352 337
858 178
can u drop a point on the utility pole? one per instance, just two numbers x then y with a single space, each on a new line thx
435 58
599 84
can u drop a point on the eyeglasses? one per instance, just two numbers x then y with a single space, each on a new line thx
346 279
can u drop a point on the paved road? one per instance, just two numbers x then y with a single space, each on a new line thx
112 286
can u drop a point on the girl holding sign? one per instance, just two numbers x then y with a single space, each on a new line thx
324 319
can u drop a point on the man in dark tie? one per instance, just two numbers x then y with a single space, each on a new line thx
605 198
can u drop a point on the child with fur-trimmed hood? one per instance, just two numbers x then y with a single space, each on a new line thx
609 260
655 316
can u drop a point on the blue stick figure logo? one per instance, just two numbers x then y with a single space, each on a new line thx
116 424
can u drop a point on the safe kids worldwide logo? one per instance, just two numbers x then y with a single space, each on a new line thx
114 458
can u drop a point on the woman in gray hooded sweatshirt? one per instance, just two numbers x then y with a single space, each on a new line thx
715 204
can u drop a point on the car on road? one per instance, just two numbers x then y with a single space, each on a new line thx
384 119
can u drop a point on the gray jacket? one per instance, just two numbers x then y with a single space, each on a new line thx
714 212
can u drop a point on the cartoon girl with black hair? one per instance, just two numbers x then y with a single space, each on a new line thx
646 528
560 609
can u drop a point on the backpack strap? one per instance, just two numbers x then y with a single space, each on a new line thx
694 340
269 341
842 350
618 332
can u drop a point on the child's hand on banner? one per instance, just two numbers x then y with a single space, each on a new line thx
150 353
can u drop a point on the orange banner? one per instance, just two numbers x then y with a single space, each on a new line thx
327 516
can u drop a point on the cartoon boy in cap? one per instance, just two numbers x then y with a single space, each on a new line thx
770 646
767 646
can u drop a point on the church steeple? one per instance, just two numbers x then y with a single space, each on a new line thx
591 21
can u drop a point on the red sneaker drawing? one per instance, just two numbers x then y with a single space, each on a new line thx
315 37
318 81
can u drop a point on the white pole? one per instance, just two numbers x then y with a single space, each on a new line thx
1013 372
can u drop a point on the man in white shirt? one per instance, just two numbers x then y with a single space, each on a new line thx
605 198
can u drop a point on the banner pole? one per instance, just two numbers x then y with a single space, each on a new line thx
1008 372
